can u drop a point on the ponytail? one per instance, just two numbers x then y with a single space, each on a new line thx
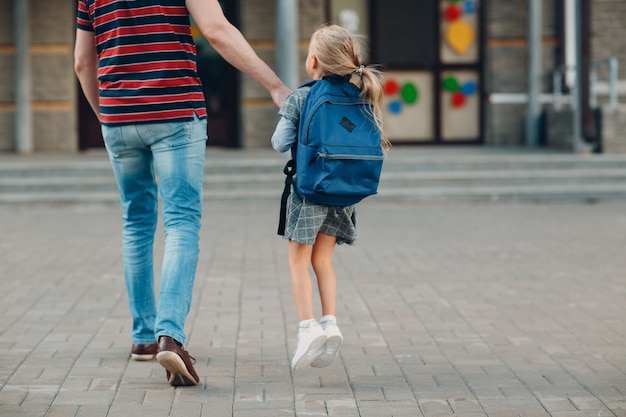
370 81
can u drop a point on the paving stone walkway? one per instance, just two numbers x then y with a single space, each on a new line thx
447 310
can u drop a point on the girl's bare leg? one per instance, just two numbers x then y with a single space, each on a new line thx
322 260
299 260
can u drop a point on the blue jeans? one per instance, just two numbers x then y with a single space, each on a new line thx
177 150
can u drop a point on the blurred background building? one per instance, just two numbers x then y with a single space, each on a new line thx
475 72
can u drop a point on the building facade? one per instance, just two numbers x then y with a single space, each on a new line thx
456 70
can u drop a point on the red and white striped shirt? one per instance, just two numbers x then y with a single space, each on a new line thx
147 68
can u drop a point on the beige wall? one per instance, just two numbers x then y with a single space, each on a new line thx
506 64
608 36
53 82
507 56
258 114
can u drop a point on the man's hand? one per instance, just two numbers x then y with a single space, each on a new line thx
280 94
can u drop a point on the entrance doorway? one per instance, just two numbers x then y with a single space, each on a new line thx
221 87
89 133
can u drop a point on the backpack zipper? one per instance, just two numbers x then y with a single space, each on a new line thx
349 156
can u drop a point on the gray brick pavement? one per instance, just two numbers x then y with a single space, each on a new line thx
469 310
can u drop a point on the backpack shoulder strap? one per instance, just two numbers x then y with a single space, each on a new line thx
290 171
308 83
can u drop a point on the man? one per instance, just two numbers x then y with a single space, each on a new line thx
136 63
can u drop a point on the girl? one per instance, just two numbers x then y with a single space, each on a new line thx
314 230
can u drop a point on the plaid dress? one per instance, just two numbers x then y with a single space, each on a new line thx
306 219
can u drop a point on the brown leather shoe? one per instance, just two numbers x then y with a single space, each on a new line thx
144 352
177 363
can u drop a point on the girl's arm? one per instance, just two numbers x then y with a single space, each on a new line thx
285 135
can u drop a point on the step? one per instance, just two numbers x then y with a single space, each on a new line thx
512 177
409 174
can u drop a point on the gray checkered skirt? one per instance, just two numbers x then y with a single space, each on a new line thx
306 219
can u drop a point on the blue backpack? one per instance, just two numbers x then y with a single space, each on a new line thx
338 158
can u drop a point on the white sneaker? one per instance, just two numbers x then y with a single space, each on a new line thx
310 341
333 343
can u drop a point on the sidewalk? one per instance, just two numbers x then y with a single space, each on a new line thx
447 309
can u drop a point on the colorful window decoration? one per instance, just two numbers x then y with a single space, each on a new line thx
400 95
431 52
460 105
408 105
458 92
459 25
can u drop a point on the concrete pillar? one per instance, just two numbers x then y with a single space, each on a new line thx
287 36
533 109
23 82
578 144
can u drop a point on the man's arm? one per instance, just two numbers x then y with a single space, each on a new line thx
233 47
86 67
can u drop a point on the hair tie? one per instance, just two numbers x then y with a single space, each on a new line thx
359 70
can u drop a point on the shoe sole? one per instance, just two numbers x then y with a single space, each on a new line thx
329 355
309 356
142 356
179 375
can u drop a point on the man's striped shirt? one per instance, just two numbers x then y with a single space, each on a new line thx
146 60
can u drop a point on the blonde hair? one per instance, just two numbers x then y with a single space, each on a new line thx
337 52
